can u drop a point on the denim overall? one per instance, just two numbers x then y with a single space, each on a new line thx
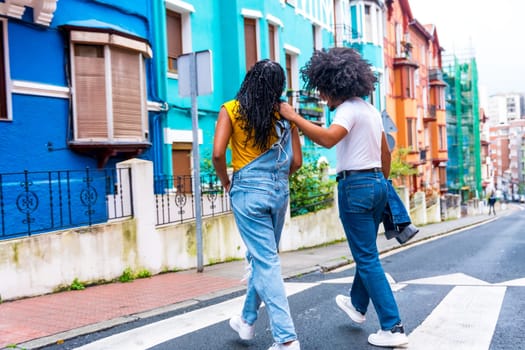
259 200
362 199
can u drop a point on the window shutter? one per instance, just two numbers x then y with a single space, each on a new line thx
127 100
3 92
250 41
174 38
90 92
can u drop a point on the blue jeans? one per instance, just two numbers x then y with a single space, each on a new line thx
362 199
259 198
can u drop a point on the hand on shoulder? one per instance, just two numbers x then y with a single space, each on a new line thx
286 111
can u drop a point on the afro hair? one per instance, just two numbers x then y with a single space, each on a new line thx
340 73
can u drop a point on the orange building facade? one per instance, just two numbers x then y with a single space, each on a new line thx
415 97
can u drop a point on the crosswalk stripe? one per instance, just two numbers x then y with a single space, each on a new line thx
454 279
464 320
159 332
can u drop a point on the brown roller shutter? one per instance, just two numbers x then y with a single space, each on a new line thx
250 41
126 88
90 92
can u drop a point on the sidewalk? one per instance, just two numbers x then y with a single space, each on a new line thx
35 322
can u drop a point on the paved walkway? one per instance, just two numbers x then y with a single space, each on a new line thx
38 321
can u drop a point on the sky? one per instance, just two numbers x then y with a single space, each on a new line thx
493 30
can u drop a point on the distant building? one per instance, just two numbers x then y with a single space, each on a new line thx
503 108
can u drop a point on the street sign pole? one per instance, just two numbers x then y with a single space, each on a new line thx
196 159
196 78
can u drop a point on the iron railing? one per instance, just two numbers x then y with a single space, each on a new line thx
36 202
175 199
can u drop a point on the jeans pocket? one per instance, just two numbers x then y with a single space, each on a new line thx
252 202
359 198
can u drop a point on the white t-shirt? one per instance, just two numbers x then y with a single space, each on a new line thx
361 147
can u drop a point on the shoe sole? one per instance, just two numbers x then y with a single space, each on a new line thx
401 343
389 345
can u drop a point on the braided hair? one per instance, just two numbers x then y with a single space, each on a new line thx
259 97
339 73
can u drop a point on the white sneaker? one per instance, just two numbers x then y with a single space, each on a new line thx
346 305
245 331
292 346
392 338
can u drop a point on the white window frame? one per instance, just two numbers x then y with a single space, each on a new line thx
294 53
398 38
278 24
318 37
108 40
256 15
185 10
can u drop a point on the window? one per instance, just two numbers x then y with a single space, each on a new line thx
368 30
442 137
437 96
178 32
250 41
399 36
291 67
272 41
3 76
411 133
109 87
317 37
404 84
174 38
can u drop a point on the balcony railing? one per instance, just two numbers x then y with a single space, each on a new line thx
308 104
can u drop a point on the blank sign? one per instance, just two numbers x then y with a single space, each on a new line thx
203 72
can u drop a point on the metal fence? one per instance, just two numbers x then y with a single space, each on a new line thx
36 202
175 198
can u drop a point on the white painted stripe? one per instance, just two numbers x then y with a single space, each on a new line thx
159 332
348 280
342 280
454 279
520 282
464 320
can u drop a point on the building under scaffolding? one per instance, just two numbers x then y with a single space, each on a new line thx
463 129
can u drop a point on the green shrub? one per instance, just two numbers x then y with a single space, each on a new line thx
310 187
127 275
77 285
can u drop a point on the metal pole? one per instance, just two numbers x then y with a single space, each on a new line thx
196 159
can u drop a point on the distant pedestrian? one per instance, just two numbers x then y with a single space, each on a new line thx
492 203
343 78
266 149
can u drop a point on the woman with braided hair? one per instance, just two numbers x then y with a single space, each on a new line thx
343 78
265 150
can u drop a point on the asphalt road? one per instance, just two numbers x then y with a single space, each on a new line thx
462 291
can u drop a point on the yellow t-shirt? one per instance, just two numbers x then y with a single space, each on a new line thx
242 152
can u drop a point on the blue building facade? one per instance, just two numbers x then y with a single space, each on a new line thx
238 33
89 83
67 101
76 96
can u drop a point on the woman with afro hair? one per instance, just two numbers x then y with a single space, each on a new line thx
343 79
265 150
